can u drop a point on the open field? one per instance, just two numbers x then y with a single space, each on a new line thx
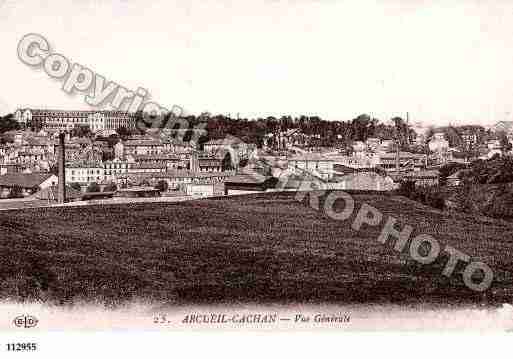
265 248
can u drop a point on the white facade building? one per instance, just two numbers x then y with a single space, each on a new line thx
63 120
85 172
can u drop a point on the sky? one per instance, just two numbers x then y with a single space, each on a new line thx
442 63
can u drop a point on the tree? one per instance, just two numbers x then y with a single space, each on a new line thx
81 131
111 187
162 186
227 163
360 127
403 133
504 143
93 187
76 186
8 123
495 170
123 132
113 140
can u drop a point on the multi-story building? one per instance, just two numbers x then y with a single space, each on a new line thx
110 121
209 163
238 148
177 146
114 169
438 143
143 146
316 164
470 138
63 120
170 160
389 161
85 172
146 168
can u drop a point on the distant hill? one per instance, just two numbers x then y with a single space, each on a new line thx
259 248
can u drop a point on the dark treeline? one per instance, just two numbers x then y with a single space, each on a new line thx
318 131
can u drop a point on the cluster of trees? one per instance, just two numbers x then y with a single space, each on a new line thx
162 186
322 132
7 123
498 169
432 196
475 194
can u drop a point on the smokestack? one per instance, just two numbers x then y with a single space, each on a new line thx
61 158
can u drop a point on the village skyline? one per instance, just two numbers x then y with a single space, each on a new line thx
413 122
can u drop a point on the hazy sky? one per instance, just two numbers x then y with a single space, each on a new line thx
440 61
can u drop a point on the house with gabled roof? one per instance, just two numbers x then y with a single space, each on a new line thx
25 184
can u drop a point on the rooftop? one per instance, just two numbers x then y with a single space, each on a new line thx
228 140
148 142
180 174
148 165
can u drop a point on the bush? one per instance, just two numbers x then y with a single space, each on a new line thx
76 186
406 188
93 187
434 199
16 192
162 186
111 187
430 196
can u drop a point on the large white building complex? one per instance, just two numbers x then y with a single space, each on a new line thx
61 120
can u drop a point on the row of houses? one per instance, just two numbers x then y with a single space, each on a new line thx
94 170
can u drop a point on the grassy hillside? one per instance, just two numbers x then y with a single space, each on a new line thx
256 248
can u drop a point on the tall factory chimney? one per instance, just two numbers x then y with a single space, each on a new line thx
61 158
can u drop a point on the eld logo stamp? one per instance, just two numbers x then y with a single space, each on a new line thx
25 321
